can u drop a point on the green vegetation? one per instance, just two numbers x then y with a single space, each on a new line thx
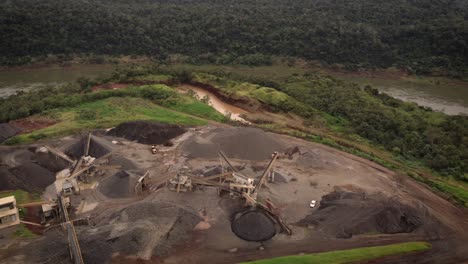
418 36
350 255
23 232
21 196
455 189
153 78
111 112
410 132
38 101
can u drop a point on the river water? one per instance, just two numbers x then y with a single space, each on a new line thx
15 80
450 97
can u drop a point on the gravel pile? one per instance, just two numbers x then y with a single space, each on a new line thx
98 147
50 161
147 132
253 225
143 230
29 177
236 143
119 185
24 168
7 131
344 214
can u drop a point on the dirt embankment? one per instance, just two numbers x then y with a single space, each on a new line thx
24 125
32 123
244 102
147 132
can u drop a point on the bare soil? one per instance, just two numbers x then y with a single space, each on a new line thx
32 123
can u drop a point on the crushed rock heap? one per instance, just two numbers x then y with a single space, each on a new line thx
147 132
367 213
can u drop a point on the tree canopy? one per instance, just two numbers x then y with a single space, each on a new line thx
417 35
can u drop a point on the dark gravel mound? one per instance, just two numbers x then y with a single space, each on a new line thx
7 131
8 180
32 177
344 214
98 147
24 168
51 162
146 132
397 219
253 226
236 143
119 185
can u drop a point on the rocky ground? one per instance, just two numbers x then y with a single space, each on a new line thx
359 203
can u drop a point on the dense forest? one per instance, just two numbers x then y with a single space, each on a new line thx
421 36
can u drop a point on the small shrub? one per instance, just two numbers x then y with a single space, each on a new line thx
87 114
38 136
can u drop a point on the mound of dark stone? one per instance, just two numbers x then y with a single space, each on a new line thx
119 185
146 132
98 147
7 131
30 177
253 225
50 161
344 214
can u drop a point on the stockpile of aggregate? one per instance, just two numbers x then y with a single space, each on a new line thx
236 143
147 132
119 185
20 168
142 230
253 225
344 214
8 181
33 177
98 147
50 161
7 131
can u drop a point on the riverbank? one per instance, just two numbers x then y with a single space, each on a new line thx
439 93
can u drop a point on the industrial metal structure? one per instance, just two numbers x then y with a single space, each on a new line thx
9 215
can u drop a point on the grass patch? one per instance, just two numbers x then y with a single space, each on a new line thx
457 189
111 112
23 232
351 255
153 78
22 196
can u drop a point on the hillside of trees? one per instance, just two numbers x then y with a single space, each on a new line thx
421 36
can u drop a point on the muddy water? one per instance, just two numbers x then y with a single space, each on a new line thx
447 96
15 80
216 103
